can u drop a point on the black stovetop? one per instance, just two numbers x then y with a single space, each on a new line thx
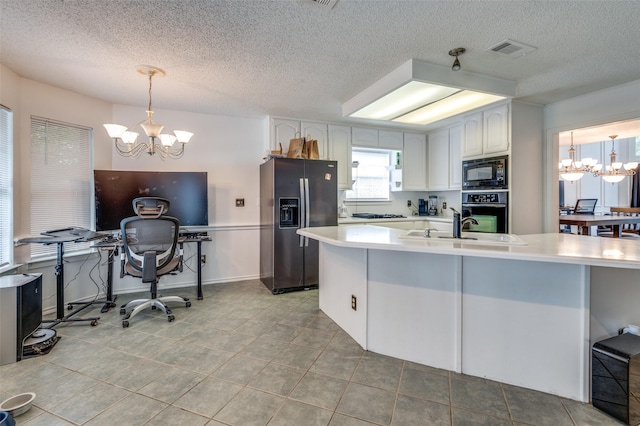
375 215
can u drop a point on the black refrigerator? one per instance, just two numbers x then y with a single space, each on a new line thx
294 193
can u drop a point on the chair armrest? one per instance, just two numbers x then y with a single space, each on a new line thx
149 271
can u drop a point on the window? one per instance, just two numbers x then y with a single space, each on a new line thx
6 186
371 176
60 180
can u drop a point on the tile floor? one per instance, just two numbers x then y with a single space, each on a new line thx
245 357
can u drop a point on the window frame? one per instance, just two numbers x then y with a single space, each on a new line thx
6 187
349 198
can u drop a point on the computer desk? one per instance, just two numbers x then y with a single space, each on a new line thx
60 237
112 247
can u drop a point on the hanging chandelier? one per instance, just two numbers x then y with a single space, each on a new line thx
572 170
125 139
615 171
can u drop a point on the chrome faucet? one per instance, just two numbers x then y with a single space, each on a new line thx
458 222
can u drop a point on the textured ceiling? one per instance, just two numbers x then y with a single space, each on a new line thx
296 58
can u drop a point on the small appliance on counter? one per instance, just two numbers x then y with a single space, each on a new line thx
428 207
433 205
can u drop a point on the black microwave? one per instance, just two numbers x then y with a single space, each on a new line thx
485 173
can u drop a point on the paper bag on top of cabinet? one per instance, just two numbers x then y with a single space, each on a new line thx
296 148
311 148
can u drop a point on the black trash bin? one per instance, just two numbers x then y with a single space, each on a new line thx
615 377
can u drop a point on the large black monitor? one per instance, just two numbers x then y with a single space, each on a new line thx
115 189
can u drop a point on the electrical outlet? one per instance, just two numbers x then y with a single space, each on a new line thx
239 202
444 205
408 203
354 303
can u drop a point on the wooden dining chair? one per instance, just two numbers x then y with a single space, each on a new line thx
628 230
627 211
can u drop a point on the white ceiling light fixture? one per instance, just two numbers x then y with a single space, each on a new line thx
125 140
419 92
615 171
572 170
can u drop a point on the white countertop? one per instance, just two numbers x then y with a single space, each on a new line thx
552 247
354 220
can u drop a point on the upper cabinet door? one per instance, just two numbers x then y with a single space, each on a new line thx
496 129
390 139
414 168
317 131
472 135
364 136
455 159
340 151
439 160
282 131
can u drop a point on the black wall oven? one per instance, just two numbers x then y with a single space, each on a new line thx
490 209
484 173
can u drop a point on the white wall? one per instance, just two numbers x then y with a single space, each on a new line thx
617 103
230 149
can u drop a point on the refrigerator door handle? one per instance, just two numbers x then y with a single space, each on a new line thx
303 210
307 220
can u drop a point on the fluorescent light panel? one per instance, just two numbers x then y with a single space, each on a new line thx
458 103
418 92
403 100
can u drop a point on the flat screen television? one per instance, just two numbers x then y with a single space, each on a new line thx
116 189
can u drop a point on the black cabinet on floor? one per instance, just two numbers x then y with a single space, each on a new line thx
615 377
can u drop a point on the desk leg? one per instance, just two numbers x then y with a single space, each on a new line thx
200 297
60 316
111 301
60 282
584 230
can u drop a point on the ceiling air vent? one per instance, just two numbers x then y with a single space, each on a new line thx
325 3
512 48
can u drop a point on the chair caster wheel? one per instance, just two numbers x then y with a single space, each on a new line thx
94 323
123 311
125 324
171 318
69 307
187 305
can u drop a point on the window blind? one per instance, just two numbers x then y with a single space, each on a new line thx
6 186
60 180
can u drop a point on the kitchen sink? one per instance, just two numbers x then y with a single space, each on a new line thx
467 238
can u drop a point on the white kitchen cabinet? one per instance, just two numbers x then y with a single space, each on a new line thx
472 135
414 164
282 131
364 137
339 143
438 169
445 164
486 132
390 139
495 125
317 131
455 157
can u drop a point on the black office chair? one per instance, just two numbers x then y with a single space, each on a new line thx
150 250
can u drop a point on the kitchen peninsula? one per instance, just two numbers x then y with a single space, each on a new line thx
524 314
